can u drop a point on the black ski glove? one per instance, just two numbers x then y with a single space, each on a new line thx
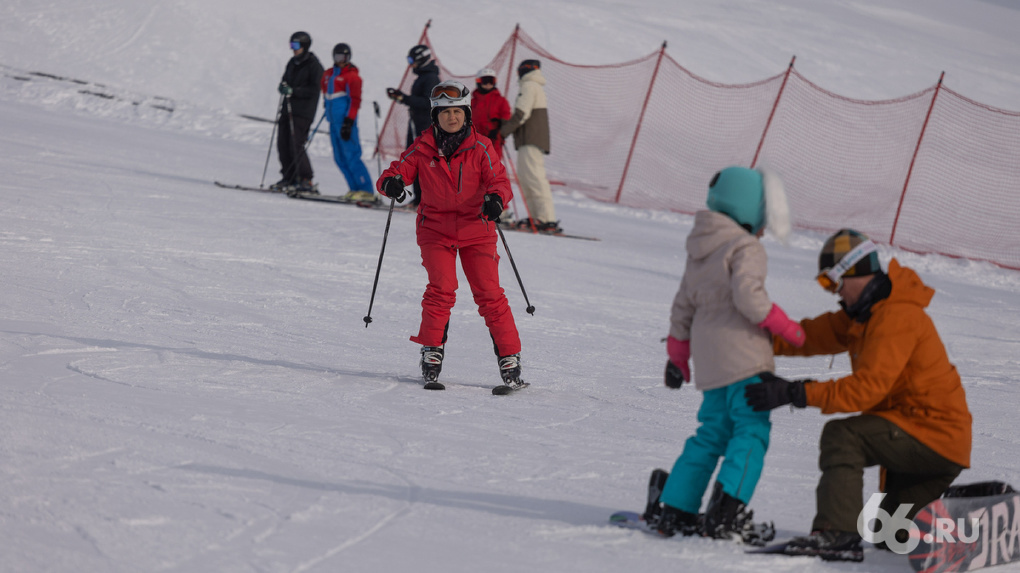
345 129
395 94
492 208
674 377
284 89
393 187
773 392
492 135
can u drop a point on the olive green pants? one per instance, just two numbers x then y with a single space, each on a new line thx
914 473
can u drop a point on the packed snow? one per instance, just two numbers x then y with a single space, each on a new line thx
186 379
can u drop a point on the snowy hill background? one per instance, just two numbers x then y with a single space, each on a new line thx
187 384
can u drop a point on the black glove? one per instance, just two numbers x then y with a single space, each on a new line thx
674 377
492 135
492 208
773 392
345 129
285 89
393 187
395 94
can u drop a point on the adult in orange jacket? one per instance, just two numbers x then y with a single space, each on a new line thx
465 190
913 422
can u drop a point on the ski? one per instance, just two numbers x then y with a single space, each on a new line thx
435 385
246 187
344 201
503 389
563 235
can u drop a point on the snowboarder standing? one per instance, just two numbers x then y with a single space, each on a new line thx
300 88
341 93
722 317
914 419
418 103
489 109
465 190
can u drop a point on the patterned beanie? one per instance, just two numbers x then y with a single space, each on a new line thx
840 245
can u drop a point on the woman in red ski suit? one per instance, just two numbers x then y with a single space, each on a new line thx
489 109
465 189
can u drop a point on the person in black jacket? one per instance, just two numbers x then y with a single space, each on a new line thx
418 103
300 88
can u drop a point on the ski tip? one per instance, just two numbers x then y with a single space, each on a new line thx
503 389
435 386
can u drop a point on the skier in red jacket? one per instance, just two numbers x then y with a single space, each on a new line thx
489 109
465 189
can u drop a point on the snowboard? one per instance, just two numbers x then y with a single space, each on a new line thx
967 533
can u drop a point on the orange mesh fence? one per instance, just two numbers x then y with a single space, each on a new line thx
931 172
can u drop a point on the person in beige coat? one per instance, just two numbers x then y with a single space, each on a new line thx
530 127
723 318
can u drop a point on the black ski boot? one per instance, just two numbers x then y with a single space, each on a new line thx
674 521
829 544
728 518
431 366
510 371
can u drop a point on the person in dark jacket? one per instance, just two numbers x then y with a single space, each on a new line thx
418 103
300 88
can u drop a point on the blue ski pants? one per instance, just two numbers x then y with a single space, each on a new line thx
730 430
347 154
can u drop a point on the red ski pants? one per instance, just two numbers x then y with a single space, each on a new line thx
481 267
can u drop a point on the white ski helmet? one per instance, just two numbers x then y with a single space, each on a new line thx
450 93
485 73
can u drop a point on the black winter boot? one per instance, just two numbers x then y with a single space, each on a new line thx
673 521
829 544
728 518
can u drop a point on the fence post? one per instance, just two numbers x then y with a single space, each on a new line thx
641 119
513 52
910 170
772 113
407 70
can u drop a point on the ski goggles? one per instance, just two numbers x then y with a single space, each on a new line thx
487 80
448 92
295 46
831 279
341 58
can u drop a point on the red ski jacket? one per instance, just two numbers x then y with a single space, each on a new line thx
345 83
488 111
452 193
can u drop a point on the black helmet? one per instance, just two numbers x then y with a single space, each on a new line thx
526 66
418 55
302 38
341 53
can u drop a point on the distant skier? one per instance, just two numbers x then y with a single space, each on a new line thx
341 92
489 109
914 419
418 103
722 317
300 88
465 190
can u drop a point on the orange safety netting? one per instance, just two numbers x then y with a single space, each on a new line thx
931 172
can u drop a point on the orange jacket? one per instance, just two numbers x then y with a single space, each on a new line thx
901 371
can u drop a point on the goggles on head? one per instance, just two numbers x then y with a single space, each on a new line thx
295 46
831 279
447 91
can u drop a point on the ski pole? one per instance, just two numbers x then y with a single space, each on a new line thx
279 109
311 136
378 156
531 309
386 233
293 167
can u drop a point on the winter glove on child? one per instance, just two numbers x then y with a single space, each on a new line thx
492 208
395 94
779 324
393 187
773 392
284 89
678 370
345 129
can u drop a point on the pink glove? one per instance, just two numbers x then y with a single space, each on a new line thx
679 354
779 324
